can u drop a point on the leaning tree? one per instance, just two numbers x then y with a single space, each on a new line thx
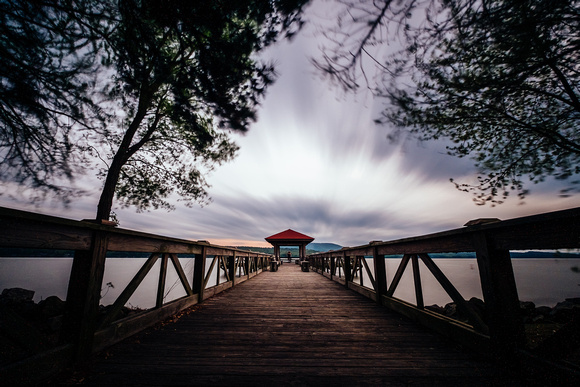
499 79
148 88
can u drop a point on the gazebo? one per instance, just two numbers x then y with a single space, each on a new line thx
289 238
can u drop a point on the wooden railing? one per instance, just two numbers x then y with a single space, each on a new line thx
84 329
500 332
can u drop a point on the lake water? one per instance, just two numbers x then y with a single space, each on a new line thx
49 276
542 281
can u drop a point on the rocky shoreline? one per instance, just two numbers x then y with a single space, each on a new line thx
27 327
562 313
551 332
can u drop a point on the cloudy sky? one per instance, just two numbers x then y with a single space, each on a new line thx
316 163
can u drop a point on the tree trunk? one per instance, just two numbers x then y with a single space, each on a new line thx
105 205
108 194
124 152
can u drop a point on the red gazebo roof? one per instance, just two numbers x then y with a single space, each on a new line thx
289 235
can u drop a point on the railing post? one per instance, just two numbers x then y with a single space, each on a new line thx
347 272
218 269
380 275
232 267
84 294
199 273
332 267
360 269
500 294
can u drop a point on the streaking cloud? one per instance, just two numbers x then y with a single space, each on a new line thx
316 162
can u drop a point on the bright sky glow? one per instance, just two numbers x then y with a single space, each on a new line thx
315 162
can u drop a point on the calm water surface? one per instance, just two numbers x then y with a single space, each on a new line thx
542 281
49 276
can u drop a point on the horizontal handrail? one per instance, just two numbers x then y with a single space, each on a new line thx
553 230
491 240
22 229
83 326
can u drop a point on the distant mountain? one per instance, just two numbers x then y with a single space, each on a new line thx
321 247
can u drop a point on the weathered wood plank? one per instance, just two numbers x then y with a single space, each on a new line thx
290 327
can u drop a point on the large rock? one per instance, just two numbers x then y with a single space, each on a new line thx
478 307
544 311
52 306
528 311
566 310
16 295
451 310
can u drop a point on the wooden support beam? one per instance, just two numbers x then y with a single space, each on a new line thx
198 281
500 294
454 294
398 275
181 274
161 283
84 294
224 264
347 272
380 284
368 270
208 274
232 268
332 267
417 281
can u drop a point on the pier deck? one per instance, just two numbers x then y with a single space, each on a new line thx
290 328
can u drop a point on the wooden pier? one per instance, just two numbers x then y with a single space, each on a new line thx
245 323
290 328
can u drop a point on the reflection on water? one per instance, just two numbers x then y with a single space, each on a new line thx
542 281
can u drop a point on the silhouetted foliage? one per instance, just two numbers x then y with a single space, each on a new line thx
142 85
499 78
47 58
